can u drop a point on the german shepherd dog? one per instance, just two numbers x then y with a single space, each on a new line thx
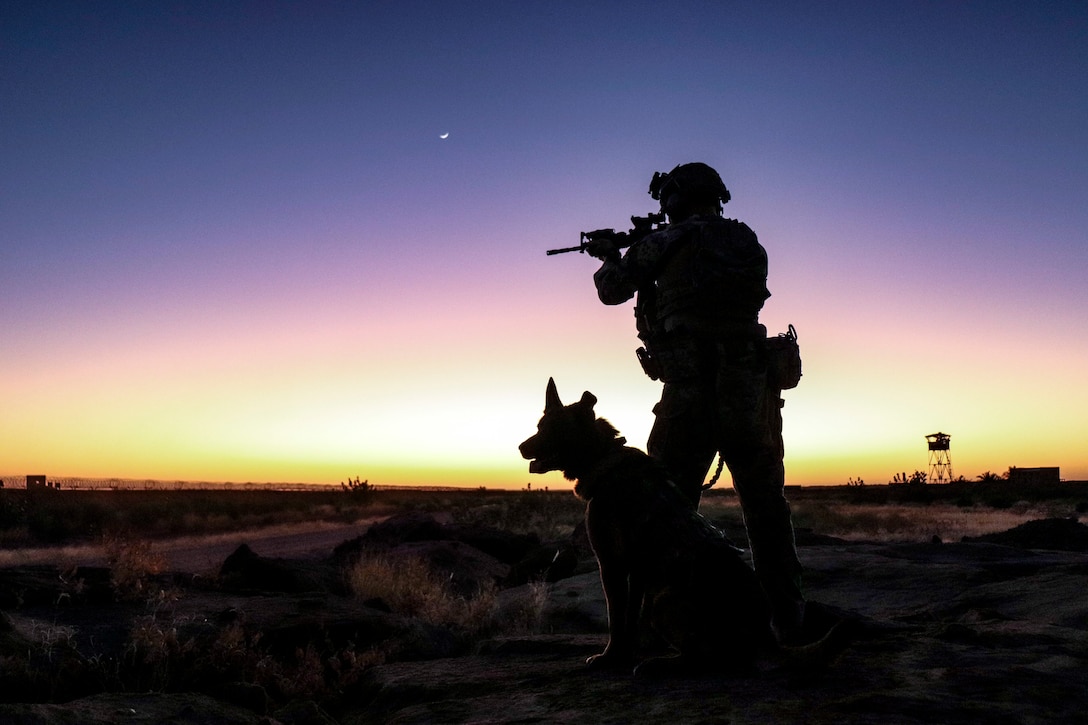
660 561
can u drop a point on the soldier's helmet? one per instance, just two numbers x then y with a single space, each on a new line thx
689 186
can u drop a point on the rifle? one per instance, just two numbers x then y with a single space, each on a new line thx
640 227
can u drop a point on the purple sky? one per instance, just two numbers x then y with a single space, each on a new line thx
234 244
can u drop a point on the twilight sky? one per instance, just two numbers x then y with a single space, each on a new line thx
233 245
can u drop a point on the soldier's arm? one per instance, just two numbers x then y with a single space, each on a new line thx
614 285
619 279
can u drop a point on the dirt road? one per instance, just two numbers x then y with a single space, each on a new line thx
201 554
304 541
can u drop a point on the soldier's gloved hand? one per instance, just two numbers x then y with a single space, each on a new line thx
603 249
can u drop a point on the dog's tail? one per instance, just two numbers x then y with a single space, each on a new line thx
812 657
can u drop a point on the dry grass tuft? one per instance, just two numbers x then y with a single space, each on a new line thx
131 562
410 587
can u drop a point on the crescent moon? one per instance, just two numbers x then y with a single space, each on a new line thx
445 135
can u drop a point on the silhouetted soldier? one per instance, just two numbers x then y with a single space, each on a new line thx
701 283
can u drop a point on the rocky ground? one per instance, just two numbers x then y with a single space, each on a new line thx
993 630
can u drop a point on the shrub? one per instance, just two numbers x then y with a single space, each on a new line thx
408 586
357 488
131 562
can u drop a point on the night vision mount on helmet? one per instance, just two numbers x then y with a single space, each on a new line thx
696 184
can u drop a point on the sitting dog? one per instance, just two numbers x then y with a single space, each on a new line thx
658 558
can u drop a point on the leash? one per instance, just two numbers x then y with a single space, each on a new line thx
717 473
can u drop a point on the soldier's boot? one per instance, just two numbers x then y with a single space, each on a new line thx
787 610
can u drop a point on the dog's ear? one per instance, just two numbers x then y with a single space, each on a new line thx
551 397
588 400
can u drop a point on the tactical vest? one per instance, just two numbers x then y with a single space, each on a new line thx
714 280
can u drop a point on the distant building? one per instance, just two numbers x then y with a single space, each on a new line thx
37 483
1034 476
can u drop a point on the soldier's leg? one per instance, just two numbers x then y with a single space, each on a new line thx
750 422
682 437
758 480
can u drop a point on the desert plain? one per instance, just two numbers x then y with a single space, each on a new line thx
964 603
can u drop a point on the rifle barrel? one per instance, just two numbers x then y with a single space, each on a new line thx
564 250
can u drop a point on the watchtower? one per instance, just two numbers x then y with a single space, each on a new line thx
940 460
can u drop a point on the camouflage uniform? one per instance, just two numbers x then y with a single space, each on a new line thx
701 283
